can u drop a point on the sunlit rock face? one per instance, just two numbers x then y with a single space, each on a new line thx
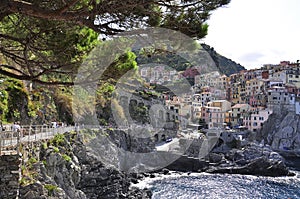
282 131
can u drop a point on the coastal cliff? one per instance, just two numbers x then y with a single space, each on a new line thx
282 131
65 167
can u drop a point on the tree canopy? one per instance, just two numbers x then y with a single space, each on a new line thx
45 41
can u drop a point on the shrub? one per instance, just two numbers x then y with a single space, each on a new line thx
44 145
44 162
56 150
51 188
58 140
32 160
66 157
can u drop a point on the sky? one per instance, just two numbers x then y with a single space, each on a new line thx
256 32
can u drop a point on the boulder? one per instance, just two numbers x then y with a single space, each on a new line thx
252 160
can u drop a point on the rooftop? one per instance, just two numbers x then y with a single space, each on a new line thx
239 105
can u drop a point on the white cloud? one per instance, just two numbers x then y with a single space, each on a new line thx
269 29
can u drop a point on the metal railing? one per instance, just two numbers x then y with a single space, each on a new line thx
10 140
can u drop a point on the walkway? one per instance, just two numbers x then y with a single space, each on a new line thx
10 140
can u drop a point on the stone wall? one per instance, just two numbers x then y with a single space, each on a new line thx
9 175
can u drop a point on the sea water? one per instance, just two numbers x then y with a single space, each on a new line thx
223 186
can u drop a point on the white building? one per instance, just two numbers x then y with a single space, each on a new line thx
280 96
280 75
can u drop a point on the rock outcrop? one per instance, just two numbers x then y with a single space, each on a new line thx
250 160
282 131
69 169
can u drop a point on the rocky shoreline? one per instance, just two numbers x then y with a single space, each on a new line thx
250 160
69 168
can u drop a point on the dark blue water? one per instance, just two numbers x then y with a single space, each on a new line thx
224 186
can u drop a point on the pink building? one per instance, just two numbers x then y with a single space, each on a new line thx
255 120
213 116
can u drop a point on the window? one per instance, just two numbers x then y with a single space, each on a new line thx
254 118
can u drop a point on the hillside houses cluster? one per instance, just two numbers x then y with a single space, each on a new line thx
242 100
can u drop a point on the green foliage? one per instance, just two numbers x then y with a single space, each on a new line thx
24 181
106 89
23 168
155 19
14 100
56 149
63 104
44 145
127 62
120 63
28 174
58 140
32 160
44 162
3 104
103 122
66 157
87 39
51 189
44 48
54 46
